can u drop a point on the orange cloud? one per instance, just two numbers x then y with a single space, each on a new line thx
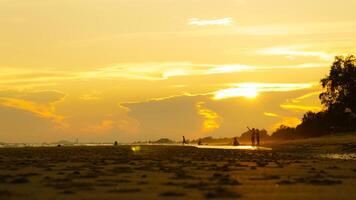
43 111
212 120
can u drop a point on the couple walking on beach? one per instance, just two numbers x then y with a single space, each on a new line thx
255 136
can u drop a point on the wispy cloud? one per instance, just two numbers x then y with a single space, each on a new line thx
208 22
312 94
301 107
295 51
162 71
270 114
151 71
251 90
166 70
229 68
303 103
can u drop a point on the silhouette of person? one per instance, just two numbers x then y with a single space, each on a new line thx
184 142
253 137
236 143
258 137
116 143
200 142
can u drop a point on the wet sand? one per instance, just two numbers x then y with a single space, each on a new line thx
288 171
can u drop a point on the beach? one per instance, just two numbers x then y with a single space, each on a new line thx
294 170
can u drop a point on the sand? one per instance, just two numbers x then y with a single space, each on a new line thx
297 170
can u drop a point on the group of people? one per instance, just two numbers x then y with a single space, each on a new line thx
255 136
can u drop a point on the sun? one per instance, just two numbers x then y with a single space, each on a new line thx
249 93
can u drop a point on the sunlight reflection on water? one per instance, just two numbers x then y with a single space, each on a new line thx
242 147
135 148
232 147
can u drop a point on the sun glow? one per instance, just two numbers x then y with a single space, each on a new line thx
252 90
236 92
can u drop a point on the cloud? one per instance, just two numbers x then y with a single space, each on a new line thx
270 114
208 22
251 90
290 121
40 103
161 71
303 103
229 68
28 79
165 70
17 125
212 120
43 111
301 107
198 115
155 71
295 51
309 95
110 125
168 117
149 71
90 97
236 92
287 121
36 96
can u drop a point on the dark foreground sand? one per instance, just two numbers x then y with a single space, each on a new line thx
289 171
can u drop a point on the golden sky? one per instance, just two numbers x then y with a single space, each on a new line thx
128 70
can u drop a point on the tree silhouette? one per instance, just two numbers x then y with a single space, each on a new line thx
283 133
339 99
314 124
340 85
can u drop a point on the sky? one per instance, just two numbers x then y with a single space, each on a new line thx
129 70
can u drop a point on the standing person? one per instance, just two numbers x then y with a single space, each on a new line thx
200 142
184 142
253 137
236 143
258 137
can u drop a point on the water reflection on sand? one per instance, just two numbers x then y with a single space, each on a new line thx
343 156
241 147
232 147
